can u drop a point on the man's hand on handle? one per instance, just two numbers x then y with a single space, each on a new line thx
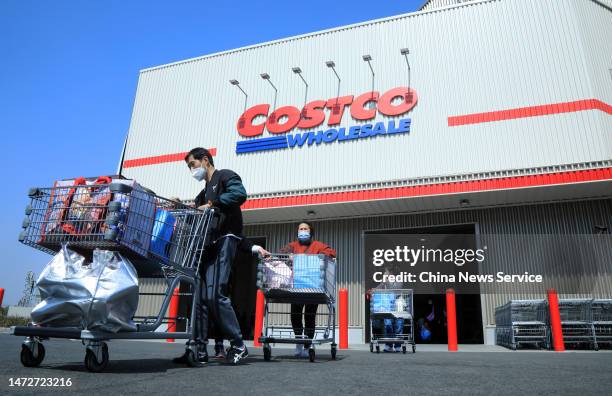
207 206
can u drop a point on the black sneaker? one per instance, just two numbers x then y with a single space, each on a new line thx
219 351
236 354
202 358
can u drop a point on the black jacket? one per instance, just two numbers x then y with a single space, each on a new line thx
226 192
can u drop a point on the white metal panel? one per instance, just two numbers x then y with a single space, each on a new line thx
465 59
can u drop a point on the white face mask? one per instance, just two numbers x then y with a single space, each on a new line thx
198 173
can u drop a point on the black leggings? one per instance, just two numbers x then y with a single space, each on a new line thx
310 320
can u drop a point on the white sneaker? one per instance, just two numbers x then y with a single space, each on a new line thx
388 348
305 352
299 349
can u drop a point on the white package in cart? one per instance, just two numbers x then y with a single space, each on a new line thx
277 274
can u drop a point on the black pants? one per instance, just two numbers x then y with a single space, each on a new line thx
213 293
310 320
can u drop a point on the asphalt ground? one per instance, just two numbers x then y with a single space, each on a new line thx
140 367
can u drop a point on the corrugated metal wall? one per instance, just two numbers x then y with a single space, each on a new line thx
471 58
345 236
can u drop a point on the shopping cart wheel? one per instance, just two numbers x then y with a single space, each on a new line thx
267 353
91 362
311 354
404 349
377 349
27 357
413 348
334 349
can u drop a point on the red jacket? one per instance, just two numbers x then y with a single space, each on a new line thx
315 247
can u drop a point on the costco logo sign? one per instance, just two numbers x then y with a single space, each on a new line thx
393 103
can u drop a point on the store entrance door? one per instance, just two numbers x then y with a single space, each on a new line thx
430 309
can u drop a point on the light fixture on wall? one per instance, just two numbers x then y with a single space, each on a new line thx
298 71
332 65
368 58
266 77
409 96
241 120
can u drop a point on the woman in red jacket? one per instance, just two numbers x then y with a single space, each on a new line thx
305 244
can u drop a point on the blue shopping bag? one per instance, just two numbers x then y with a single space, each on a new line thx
162 233
382 302
307 272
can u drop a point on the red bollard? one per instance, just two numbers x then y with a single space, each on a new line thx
259 314
343 318
555 321
173 313
1 295
451 318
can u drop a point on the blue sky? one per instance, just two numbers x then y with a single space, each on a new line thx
68 78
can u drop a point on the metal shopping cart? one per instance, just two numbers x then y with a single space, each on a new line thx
298 279
158 236
601 316
576 322
391 318
522 322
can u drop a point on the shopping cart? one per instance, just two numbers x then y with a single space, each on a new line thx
601 316
391 318
576 322
298 279
158 236
522 322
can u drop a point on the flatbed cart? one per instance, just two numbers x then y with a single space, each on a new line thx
601 317
391 304
576 322
124 222
521 322
282 278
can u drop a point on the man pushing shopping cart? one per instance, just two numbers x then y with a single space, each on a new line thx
223 190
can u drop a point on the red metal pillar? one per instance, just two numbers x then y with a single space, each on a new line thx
259 314
343 318
1 295
173 313
451 318
555 321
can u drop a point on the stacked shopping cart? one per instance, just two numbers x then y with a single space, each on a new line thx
521 322
576 322
601 317
584 322
155 235
298 279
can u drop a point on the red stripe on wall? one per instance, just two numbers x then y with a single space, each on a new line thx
434 189
531 111
160 159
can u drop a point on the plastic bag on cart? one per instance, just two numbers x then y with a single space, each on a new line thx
101 295
277 274
307 272
383 302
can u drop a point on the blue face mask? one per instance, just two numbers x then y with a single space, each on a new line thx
303 236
